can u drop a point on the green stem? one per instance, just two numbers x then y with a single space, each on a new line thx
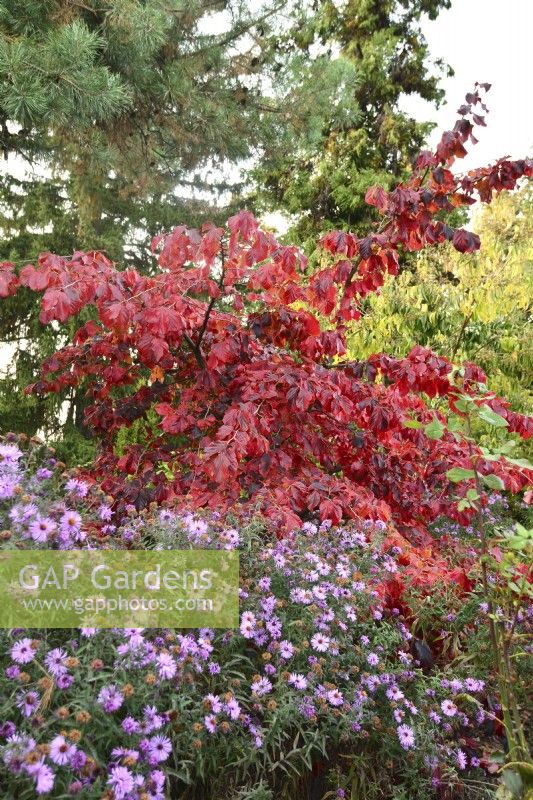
510 711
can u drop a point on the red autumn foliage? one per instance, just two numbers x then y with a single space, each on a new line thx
238 348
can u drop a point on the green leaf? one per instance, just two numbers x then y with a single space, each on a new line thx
486 413
519 462
463 403
412 423
493 482
458 474
513 782
472 494
435 429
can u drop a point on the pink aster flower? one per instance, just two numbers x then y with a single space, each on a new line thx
448 708
232 709
248 622
320 642
61 751
41 528
213 702
42 774
286 649
297 680
70 523
210 722
335 697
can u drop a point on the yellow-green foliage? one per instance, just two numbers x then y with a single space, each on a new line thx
476 307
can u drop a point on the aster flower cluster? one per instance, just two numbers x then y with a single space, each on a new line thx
324 661
41 506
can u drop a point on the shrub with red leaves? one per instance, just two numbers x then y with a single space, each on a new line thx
239 349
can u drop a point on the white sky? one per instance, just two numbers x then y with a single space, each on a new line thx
486 41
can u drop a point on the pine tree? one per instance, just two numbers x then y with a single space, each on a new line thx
119 107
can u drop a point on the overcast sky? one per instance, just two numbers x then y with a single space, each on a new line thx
486 41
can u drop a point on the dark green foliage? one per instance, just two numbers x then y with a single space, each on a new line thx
322 178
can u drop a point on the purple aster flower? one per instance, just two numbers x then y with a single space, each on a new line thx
23 651
78 760
55 661
232 709
261 687
213 702
406 736
372 659
121 781
77 487
28 702
394 693
167 666
70 523
64 681
105 513
461 759
152 719
12 672
286 649
160 748
474 685
9 455
130 725
8 484
7 729
110 698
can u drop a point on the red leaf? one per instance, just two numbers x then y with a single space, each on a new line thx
465 242
36 279
8 279
378 197
55 305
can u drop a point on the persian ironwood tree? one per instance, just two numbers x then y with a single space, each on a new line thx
237 352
